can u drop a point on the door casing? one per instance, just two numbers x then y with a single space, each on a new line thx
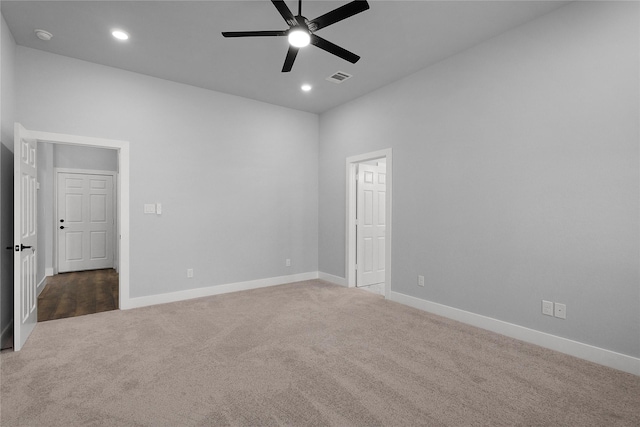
350 234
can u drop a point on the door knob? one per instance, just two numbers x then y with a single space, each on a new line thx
62 227
23 247
62 220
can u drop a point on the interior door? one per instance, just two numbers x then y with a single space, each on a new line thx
25 237
85 221
370 223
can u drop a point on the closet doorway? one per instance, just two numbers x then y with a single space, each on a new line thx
368 219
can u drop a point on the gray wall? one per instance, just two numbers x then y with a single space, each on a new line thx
6 237
516 175
7 85
237 178
78 157
7 64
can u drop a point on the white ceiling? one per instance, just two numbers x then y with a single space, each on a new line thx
181 41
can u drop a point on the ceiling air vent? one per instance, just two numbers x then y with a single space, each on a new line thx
339 77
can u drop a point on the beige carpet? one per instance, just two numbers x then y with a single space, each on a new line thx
302 354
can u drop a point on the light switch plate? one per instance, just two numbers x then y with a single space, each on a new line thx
149 208
159 208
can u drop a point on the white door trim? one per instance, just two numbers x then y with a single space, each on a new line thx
114 176
122 198
350 235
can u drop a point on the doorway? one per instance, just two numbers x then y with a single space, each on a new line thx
76 223
24 281
80 278
368 219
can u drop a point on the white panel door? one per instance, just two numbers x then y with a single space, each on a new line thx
25 237
85 221
370 224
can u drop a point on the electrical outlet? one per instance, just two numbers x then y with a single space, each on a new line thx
560 310
287 262
189 272
420 280
547 308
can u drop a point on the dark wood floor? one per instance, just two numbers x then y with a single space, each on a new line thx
78 293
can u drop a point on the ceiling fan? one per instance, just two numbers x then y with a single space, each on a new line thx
301 30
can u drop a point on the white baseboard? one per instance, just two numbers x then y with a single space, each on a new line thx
214 290
588 352
6 331
333 279
48 271
41 285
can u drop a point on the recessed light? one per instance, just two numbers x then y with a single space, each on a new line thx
305 87
43 35
120 35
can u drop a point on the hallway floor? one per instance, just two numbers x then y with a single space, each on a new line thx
78 293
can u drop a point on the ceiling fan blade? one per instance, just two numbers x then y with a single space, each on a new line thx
336 15
254 33
334 49
285 12
291 56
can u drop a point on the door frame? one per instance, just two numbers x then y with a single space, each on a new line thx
350 234
122 197
114 176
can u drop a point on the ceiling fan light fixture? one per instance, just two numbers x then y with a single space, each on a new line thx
299 37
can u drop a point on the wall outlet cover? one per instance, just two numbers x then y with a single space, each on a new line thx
420 280
547 308
150 208
560 310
